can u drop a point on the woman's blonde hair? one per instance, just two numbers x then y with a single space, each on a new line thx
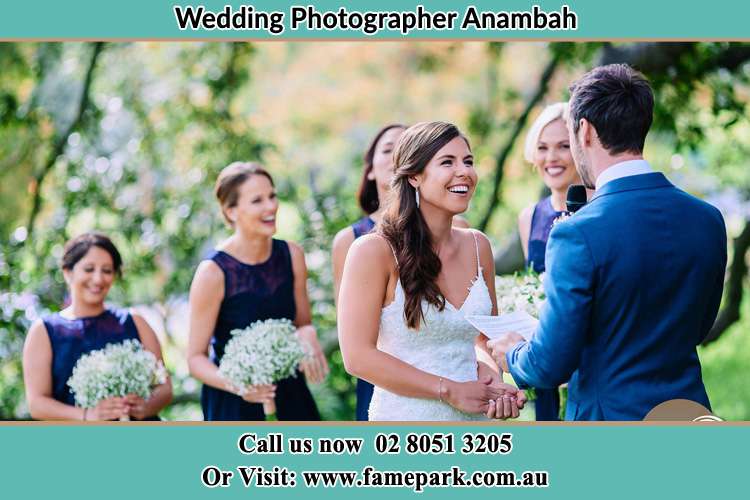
556 111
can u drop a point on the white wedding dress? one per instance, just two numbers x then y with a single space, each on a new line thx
443 346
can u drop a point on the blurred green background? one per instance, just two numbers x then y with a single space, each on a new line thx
127 138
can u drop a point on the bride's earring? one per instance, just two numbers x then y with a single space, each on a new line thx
416 190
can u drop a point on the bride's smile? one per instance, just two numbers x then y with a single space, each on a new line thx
417 348
449 179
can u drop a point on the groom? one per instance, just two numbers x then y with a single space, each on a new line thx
634 279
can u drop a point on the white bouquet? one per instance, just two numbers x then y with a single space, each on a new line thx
116 371
263 353
520 292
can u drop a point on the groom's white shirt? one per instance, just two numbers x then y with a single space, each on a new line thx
623 169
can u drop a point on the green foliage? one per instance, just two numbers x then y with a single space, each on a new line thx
324 210
137 168
725 370
17 311
575 54
695 86
163 119
140 168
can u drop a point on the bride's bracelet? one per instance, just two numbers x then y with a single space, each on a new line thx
440 389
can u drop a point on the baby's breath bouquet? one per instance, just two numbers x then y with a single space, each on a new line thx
525 292
263 353
115 371
520 292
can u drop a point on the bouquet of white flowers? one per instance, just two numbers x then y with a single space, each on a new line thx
263 353
116 371
525 292
520 292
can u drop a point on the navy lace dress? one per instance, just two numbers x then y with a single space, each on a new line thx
255 293
547 400
364 388
72 338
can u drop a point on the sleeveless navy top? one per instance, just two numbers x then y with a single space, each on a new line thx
253 292
363 226
541 225
256 292
72 338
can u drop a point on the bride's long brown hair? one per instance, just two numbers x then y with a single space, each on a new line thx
403 225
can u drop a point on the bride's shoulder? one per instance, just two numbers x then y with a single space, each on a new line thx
371 248
469 235
476 237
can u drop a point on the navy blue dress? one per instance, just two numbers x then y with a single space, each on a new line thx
255 293
72 338
547 400
364 388
541 225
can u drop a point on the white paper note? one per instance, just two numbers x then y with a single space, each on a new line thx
495 326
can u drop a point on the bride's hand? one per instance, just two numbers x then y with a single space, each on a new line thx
314 366
508 405
473 397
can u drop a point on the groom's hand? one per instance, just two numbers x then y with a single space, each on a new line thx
500 346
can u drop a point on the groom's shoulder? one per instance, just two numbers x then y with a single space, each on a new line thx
587 217
687 209
696 205
584 228
606 214
575 227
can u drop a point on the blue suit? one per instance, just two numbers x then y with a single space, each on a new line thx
633 284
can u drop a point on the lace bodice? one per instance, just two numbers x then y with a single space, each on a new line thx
443 346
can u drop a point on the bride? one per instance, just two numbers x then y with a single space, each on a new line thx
405 292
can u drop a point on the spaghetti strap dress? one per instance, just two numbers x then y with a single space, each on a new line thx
256 292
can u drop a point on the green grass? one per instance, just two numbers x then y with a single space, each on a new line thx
726 369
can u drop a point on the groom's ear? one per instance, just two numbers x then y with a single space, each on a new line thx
586 132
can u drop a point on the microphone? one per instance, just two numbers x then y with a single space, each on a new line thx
576 197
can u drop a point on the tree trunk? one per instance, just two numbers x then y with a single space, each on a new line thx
502 157
733 291
62 139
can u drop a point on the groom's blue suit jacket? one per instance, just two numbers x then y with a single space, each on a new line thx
633 284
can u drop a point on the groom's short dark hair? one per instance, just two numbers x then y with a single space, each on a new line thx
618 101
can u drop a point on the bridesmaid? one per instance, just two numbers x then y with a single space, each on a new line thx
374 186
250 277
548 149
54 344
